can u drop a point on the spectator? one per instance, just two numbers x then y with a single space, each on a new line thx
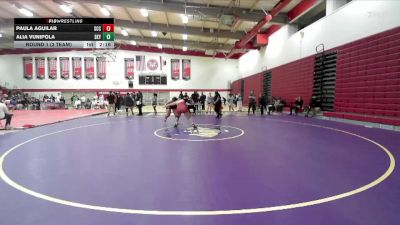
270 105
191 105
239 102
5 115
262 103
154 103
203 98
129 104
231 98
224 99
181 95
139 102
83 101
13 104
36 104
118 102
58 97
312 106
88 104
209 102
218 104
45 98
252 103
186 97
279 104
77 103
111 102
101 102
195 98
298 105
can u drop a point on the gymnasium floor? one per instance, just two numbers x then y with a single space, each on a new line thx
237 170
24 118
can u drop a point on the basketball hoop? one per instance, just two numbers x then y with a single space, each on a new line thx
109 54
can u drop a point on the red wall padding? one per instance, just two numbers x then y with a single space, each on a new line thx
235 87
251 83
294 79
368 75
367 80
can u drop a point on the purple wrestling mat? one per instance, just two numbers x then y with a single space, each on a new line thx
275 170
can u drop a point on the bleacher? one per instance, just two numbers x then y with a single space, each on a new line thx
294 79
368 79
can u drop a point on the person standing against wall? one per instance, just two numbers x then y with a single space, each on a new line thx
118 102
298 105
139 102
195 98
203 98
252 103
111 103
262 103
129 103
5 115
209 102
239 102
154 103
186 97
231 102
312 107
218 104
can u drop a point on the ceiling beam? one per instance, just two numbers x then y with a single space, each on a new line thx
89 10
167 20
179 29
74 12
47 7
132 20
256 29
191 9
14 10
239 22
302 8
164 41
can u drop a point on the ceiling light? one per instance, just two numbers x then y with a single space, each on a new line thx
133 42
184 48
1 35
124 32
184 36
154 34
105 11
159 46
185 19
25 12
144 12
66 8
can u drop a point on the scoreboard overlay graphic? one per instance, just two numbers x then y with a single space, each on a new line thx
64 33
